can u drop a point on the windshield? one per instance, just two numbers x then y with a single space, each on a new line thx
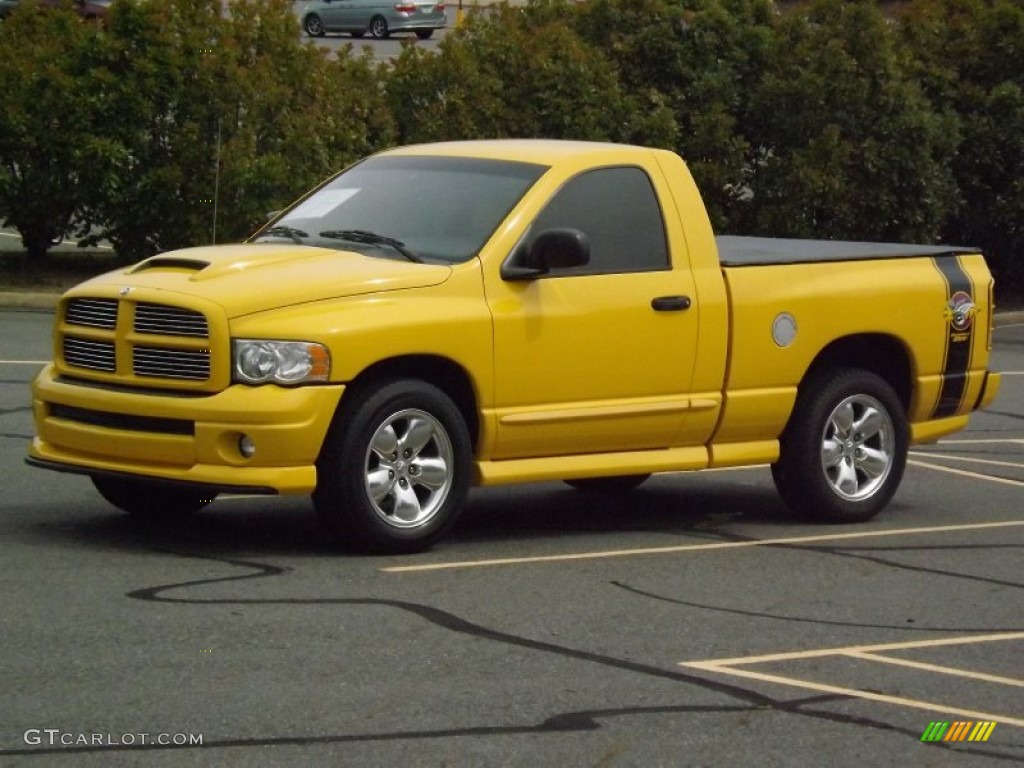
430 208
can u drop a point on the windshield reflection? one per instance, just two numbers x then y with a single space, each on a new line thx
439 209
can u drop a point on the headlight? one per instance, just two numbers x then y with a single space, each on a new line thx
258 361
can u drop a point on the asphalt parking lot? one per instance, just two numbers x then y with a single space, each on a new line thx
691 622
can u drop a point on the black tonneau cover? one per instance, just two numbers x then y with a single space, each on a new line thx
735 251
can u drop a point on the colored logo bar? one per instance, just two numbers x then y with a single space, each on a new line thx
961 730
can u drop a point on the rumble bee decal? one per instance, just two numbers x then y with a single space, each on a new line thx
959 314
960 311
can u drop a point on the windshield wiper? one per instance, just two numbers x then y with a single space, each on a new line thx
371 238
293 234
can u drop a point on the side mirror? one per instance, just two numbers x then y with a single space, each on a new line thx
550 249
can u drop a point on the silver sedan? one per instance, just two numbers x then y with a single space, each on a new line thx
378 18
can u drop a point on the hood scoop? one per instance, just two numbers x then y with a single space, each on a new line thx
170 263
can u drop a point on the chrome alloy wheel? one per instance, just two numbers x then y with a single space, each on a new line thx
409 466
858 447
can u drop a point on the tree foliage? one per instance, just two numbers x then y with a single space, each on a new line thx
704 59
175 123
969 57
522 73
53 147
826 119
848 144
231 116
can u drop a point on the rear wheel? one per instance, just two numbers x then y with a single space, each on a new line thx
146 499
395 469
379 27
424 34
844 451
313 25
608 485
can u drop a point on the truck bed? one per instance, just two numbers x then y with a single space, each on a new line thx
737 251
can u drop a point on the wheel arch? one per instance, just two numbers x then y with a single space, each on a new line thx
884 355
444 373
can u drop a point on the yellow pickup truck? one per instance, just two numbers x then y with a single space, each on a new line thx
476 313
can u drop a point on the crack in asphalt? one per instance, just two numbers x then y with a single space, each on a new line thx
799 619
565 722
853 552
572 721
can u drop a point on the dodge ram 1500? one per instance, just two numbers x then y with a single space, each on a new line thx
474 313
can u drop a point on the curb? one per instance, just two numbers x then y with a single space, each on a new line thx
1009 318
37 301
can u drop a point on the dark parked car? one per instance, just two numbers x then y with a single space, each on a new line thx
378 18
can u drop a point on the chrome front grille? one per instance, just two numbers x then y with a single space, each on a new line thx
121 340
170 321
164 363
94 313
90 353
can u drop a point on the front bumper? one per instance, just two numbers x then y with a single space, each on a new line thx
184 437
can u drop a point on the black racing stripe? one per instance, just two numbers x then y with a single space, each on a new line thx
959 342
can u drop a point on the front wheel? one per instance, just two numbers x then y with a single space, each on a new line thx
154 501
379 28
844 450
314 25
395 469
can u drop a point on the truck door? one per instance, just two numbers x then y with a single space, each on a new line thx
597 358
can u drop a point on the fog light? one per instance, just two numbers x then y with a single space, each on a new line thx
247 446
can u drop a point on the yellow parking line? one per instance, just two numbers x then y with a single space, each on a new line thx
983 440
858 694
949 457
819 652
797 540
965 473
936 668
728 667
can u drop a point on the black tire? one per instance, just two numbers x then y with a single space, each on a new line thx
358 33
843 453
424 34
379 28
608 485
313 25
148 500
408 439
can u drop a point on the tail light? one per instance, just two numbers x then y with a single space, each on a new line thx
405 8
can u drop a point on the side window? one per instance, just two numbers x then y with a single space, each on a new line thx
618 211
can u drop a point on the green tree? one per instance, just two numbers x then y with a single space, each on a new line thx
703 59
524 73
52 146
970 58
220 118
160 68
847 144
